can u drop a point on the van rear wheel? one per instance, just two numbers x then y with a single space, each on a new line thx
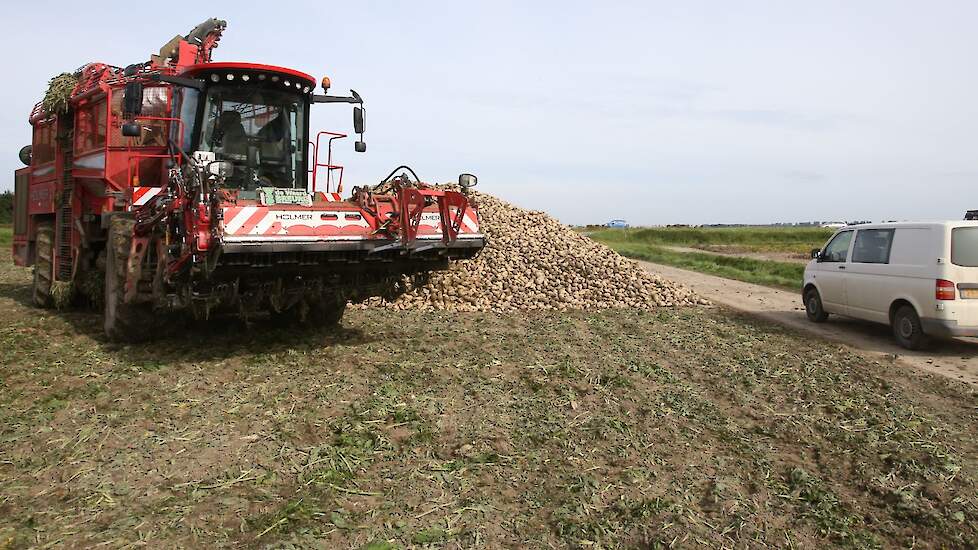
907 329
813 307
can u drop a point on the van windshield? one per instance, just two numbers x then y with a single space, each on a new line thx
964 246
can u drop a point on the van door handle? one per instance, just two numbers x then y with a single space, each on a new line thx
842 267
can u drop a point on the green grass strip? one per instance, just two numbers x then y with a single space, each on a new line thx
763 272
755 239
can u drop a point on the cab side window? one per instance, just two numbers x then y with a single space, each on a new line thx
872 246
838 248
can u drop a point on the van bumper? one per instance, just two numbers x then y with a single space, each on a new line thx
946 328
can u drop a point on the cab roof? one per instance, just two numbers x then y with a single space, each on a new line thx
235 68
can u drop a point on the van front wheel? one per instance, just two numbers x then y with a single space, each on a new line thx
907 328
813 307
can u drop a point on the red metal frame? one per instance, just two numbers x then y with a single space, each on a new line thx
52 126
329 160
134 156
78 152
412 202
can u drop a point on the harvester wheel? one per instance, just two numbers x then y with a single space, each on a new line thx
123 322
326 313
43 266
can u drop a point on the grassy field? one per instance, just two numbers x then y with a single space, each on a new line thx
6 238
676 428
762 272
766 256
789 240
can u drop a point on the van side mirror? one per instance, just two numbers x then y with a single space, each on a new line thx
358 120
132 99
360 147
817 254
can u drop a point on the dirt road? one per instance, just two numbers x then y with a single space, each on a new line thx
957 359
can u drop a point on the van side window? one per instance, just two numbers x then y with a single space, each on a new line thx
964 246
872 246
838 248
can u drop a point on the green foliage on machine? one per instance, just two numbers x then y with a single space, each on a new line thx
275 195
59 93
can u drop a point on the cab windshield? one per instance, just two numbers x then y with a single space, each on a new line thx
258 130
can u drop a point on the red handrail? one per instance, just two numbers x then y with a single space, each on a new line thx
329 161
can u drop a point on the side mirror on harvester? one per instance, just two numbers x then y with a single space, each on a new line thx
360 146
25 154
358 120
132 99
131 129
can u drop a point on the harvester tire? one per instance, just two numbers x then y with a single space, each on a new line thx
326 313
123 322
43 266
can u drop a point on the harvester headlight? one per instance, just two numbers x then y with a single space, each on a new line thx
275 78
467 180
261 77
230 76
245 78
305 90
215 78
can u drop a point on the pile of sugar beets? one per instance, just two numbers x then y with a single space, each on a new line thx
533 262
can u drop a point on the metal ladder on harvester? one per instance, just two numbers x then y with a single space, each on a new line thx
62 270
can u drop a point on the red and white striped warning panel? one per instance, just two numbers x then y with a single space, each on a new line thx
141 195
333 197
431 223
249 221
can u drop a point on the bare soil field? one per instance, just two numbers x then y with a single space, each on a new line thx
683 427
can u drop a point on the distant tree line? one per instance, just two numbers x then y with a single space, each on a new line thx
6 207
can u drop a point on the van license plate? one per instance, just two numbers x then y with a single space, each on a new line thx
971 293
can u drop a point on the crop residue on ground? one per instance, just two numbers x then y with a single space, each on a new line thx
679 427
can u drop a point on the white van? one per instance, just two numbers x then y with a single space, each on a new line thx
919 278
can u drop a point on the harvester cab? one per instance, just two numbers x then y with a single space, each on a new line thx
210 193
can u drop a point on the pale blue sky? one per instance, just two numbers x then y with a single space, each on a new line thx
657 112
